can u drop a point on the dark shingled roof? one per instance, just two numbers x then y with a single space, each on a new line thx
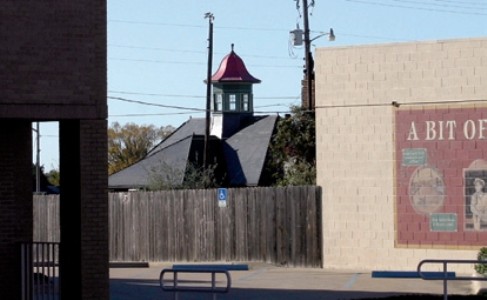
190 127
244 154
141 174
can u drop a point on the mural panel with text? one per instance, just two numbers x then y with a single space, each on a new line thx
441 175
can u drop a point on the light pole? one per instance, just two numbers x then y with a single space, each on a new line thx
308 56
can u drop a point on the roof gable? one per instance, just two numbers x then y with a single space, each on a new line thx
172 160
245 152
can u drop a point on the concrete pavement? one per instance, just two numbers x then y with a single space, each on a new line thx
269 282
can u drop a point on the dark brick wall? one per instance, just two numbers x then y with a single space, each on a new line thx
94 209
53 67
15 201
53 59
84 209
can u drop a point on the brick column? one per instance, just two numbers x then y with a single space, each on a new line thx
84 210
15 201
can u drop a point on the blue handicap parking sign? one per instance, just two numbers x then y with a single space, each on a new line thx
222 194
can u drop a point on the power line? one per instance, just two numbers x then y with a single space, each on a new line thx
195 26
399 104
155 104
149 115
192 51
156 61
187 113
192 109
380 38
191 63
156 95
423 3
153 23
464 2
191 96
155 49
416 8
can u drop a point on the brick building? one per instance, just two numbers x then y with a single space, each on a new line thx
401 139
53 68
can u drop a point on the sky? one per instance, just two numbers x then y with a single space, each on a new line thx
158 50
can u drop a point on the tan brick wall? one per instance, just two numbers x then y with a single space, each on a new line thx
355 87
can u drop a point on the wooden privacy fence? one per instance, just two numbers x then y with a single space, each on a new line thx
276 225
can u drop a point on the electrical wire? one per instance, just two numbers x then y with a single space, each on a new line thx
399 104
423 3
155 104
194 63
464 2
156 95
196 26
416 8
192 109
149 115
191 51
192 96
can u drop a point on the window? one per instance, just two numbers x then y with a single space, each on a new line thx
245 102
218 102
232 102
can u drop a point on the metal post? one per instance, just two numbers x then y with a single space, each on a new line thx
38 154
445 280
175 283
213 284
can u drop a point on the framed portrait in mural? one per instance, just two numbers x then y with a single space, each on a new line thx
440 176
475 200
426 190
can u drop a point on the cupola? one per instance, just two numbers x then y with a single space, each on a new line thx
232 103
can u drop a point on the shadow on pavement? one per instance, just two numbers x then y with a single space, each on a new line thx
129 289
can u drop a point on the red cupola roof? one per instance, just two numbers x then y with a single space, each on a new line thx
232 69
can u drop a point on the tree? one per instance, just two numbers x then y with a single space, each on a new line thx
129 143
165 177
53 177
292 154
46 184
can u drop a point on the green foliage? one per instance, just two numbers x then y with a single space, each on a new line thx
292 154
298 173
482 256
129 143
45 180
167 177
53 177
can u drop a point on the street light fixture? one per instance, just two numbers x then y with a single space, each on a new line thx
299 36
309 67
330 34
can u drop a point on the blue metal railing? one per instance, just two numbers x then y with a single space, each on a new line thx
444 274
176 285
39 271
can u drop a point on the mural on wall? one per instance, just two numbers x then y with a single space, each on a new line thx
441 176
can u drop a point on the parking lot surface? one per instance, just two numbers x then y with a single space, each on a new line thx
263 281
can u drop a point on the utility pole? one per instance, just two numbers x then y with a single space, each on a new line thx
38 158
308 58
210 18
